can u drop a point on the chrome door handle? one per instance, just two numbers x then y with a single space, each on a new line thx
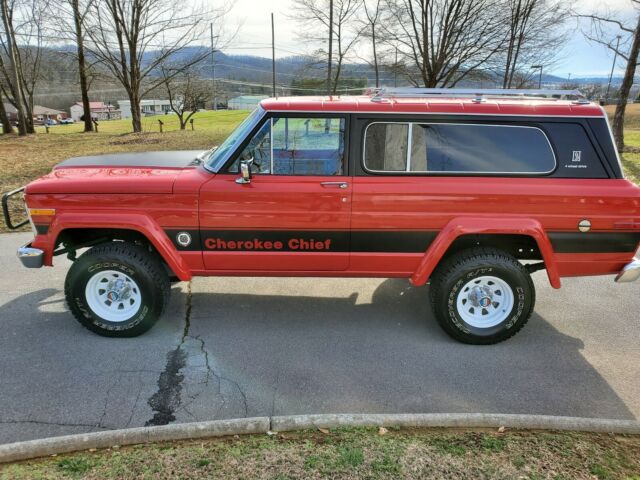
334 184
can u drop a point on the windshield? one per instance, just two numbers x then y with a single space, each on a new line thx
220 155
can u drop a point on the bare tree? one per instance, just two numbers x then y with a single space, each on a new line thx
604 28
21 43
132 38
333 22
71 16
373 14
534 37
443 41
12 71
186 92
4 118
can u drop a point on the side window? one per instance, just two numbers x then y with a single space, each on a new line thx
258 151
385 147
458 148
297 146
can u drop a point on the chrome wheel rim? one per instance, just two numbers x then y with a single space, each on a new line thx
113 296
485 302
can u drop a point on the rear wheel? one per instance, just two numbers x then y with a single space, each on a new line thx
482 296
117 289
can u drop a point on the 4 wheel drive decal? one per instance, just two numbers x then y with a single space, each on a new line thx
401 241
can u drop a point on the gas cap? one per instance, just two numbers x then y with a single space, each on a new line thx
584 225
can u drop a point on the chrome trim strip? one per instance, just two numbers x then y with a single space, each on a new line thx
438 173
464 114
409 144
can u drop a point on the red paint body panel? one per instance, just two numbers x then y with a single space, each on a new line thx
275 203
106 180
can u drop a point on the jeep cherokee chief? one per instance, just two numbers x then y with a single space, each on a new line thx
471 191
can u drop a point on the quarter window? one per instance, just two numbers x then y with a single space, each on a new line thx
457 148
297 146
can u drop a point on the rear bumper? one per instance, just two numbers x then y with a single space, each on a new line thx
30 257
630 272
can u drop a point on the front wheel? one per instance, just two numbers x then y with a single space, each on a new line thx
117 289
482 296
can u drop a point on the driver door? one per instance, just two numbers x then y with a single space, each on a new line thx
295 213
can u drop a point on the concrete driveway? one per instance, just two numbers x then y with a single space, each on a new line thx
245 347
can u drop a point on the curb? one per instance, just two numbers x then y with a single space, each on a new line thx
13 452
457 420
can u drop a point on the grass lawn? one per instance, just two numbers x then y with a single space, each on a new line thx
355 454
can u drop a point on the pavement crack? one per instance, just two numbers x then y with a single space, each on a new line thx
220 378
57 424
187 313
275 390
133 409
167 400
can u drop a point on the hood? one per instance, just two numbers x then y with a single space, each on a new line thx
146 172
177 159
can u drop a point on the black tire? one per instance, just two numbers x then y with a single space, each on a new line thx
455 274
135 262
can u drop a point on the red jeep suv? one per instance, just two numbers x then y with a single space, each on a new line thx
468 190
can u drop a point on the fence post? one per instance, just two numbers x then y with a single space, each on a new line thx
46 128
95 125
191 122
161 124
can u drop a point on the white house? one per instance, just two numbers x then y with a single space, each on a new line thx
148 107
99 111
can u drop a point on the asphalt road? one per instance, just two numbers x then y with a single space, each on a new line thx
234 347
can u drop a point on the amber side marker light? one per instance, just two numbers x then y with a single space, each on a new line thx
42 212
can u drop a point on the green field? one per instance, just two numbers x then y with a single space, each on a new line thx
357 454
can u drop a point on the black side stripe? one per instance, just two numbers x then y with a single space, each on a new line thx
594 242
416 241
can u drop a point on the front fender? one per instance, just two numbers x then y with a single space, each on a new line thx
137 222
465 226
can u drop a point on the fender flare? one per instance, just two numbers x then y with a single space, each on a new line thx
465 226
133 221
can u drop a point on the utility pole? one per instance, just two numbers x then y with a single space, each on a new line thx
395 70
213 72
273 55
540 76
330 47
613 66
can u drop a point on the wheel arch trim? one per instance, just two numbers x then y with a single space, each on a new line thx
478 225
136 222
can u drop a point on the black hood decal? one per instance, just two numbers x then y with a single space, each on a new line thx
176 159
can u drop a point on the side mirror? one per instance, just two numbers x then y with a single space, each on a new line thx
245 172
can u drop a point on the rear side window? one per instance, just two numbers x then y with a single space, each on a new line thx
457 148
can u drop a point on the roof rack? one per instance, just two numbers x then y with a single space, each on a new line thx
478 94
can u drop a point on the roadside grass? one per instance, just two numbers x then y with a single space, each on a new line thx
354 453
